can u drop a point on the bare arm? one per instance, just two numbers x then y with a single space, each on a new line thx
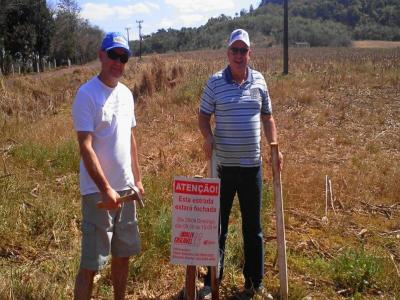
269 128
92 164
205 129
271 133
135 163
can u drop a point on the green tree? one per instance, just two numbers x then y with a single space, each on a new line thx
65 40
251 9
89 39
74 39
27 28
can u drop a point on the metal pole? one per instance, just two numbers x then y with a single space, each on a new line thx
285 38
280 222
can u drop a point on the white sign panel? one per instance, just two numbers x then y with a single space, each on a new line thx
195 223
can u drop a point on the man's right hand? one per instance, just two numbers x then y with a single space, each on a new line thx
109 199
208 146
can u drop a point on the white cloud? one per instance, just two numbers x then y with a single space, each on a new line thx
167 23
100 12
153 5
192 20
183 21
196 6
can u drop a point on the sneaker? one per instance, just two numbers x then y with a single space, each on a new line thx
262 292
205 293
258 293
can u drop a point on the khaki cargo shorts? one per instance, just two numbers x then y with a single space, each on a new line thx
106 232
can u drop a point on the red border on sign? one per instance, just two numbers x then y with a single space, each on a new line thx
196 188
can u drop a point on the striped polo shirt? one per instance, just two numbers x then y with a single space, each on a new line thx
237 110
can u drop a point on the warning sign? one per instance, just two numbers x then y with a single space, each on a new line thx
195 214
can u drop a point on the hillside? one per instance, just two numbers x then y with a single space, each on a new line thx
337 115
366 19
317 22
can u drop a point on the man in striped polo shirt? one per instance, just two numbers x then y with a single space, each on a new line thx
238 98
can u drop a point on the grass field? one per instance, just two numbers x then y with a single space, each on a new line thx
338 115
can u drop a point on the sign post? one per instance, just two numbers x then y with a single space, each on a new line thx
195 224
190 283
280 222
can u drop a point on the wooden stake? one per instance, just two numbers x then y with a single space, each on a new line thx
280 222
214 284
212 173
326 195
190 283
331 196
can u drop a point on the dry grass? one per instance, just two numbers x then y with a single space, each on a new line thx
375 44
337 114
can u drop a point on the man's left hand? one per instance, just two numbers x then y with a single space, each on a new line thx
139 185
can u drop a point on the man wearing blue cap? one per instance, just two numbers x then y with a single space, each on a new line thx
238 98
103 115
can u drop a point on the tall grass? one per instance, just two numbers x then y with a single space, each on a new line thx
60 158
337 115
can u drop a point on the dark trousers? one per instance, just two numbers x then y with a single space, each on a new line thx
247 183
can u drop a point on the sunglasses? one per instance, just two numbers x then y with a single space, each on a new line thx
123 58
242 51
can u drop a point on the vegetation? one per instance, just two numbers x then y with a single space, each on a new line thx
32 35
355 271
337 115
316 22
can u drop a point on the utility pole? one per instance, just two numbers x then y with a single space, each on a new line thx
140 37
127 33
285 38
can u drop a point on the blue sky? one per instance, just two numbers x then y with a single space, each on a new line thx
156 14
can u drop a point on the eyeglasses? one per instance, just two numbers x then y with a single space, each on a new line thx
123 58
242 51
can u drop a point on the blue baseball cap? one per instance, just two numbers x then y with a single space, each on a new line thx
115 40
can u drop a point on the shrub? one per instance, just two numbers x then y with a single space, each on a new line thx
355 270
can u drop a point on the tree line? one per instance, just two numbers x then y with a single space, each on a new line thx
365 19
314 22
34 35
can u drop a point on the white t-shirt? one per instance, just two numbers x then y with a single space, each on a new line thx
109 114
